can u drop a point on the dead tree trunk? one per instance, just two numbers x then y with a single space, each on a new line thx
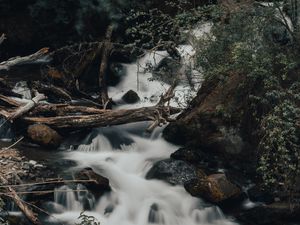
107 118
106 50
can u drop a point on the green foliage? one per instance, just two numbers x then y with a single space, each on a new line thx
156 27
87 220
255 44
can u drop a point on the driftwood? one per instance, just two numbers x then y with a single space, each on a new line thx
106 50
30 215
10 101
38 57
52 90
158 113
27 107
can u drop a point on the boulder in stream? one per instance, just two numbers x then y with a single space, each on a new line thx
215 188
131 97
44 135
99 184
175 172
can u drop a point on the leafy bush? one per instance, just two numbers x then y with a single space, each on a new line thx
255 43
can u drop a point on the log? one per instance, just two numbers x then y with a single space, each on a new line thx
10 101
52 90
30 215
27 107
107 118
158 113
107 48
38 57
63 109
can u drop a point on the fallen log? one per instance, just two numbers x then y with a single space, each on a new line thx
10 101
159 114
63 109
27 107
38 57
106 50
30 215
52 90
107 118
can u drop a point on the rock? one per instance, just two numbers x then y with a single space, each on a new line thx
167 70
215 188
257 194
131 97
275 214
216 122
44 135
101 184
175 172
200 158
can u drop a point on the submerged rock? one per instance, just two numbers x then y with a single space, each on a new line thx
131 97
99 184
44 135
215 188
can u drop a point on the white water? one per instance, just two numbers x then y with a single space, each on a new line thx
135 200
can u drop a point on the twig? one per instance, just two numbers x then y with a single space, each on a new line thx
38 57
9 147
49 182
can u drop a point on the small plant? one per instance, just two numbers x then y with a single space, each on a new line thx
87 220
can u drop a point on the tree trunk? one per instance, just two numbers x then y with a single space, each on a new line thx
107 48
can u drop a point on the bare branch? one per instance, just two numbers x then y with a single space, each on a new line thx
38 57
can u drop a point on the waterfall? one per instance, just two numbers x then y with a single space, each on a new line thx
133 200
124 154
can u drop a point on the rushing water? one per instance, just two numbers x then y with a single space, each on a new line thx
124 154
133 200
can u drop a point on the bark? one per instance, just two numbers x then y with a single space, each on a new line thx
107 48
38 57
30 215
63 109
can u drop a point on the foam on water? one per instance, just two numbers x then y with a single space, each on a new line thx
134 200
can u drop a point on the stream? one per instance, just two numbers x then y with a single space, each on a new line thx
124 154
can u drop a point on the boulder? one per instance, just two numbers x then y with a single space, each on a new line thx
167 70
216 122
44 135
131 97
215 188
175 172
